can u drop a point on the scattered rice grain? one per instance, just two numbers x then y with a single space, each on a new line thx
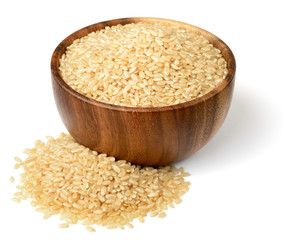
63 225
11 179
90 229
17 200
17 166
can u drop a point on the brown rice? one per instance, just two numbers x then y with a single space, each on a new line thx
63 177
143 65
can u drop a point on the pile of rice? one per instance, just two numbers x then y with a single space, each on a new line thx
63 177
142 65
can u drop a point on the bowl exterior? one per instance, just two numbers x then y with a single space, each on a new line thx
145 138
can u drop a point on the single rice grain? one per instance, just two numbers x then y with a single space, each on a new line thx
63 225
17 200
90 229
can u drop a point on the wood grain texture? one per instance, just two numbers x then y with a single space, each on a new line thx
146 136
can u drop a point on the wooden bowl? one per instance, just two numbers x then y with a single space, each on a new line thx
146 136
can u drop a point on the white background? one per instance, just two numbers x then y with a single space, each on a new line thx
242 181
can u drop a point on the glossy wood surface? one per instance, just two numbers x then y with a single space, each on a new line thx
146 136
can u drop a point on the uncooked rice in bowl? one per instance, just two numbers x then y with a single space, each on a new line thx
63 177
142 65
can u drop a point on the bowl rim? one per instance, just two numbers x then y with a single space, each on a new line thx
231 65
